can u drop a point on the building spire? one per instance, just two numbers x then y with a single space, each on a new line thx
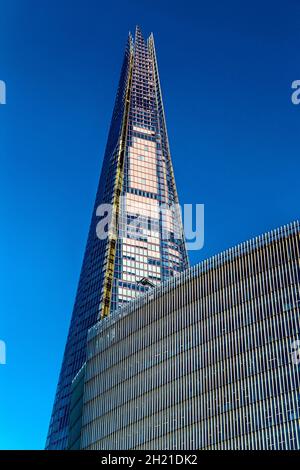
139 39
139 249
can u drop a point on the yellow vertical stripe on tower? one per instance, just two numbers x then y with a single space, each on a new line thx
113 232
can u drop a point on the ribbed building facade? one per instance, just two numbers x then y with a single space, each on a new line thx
143 243
204 361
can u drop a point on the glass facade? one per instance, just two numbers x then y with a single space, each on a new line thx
76 406
136 180
204 361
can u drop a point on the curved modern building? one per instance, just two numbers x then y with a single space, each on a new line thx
208 360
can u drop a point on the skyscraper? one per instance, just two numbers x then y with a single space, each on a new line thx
136 182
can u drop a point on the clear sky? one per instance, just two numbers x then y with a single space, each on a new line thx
226 70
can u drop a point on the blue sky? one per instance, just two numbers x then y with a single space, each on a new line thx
226 70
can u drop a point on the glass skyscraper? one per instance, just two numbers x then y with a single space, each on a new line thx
143 246
208 360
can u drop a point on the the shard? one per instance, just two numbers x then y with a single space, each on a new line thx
141 245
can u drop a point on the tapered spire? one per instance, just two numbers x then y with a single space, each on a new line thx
137 174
